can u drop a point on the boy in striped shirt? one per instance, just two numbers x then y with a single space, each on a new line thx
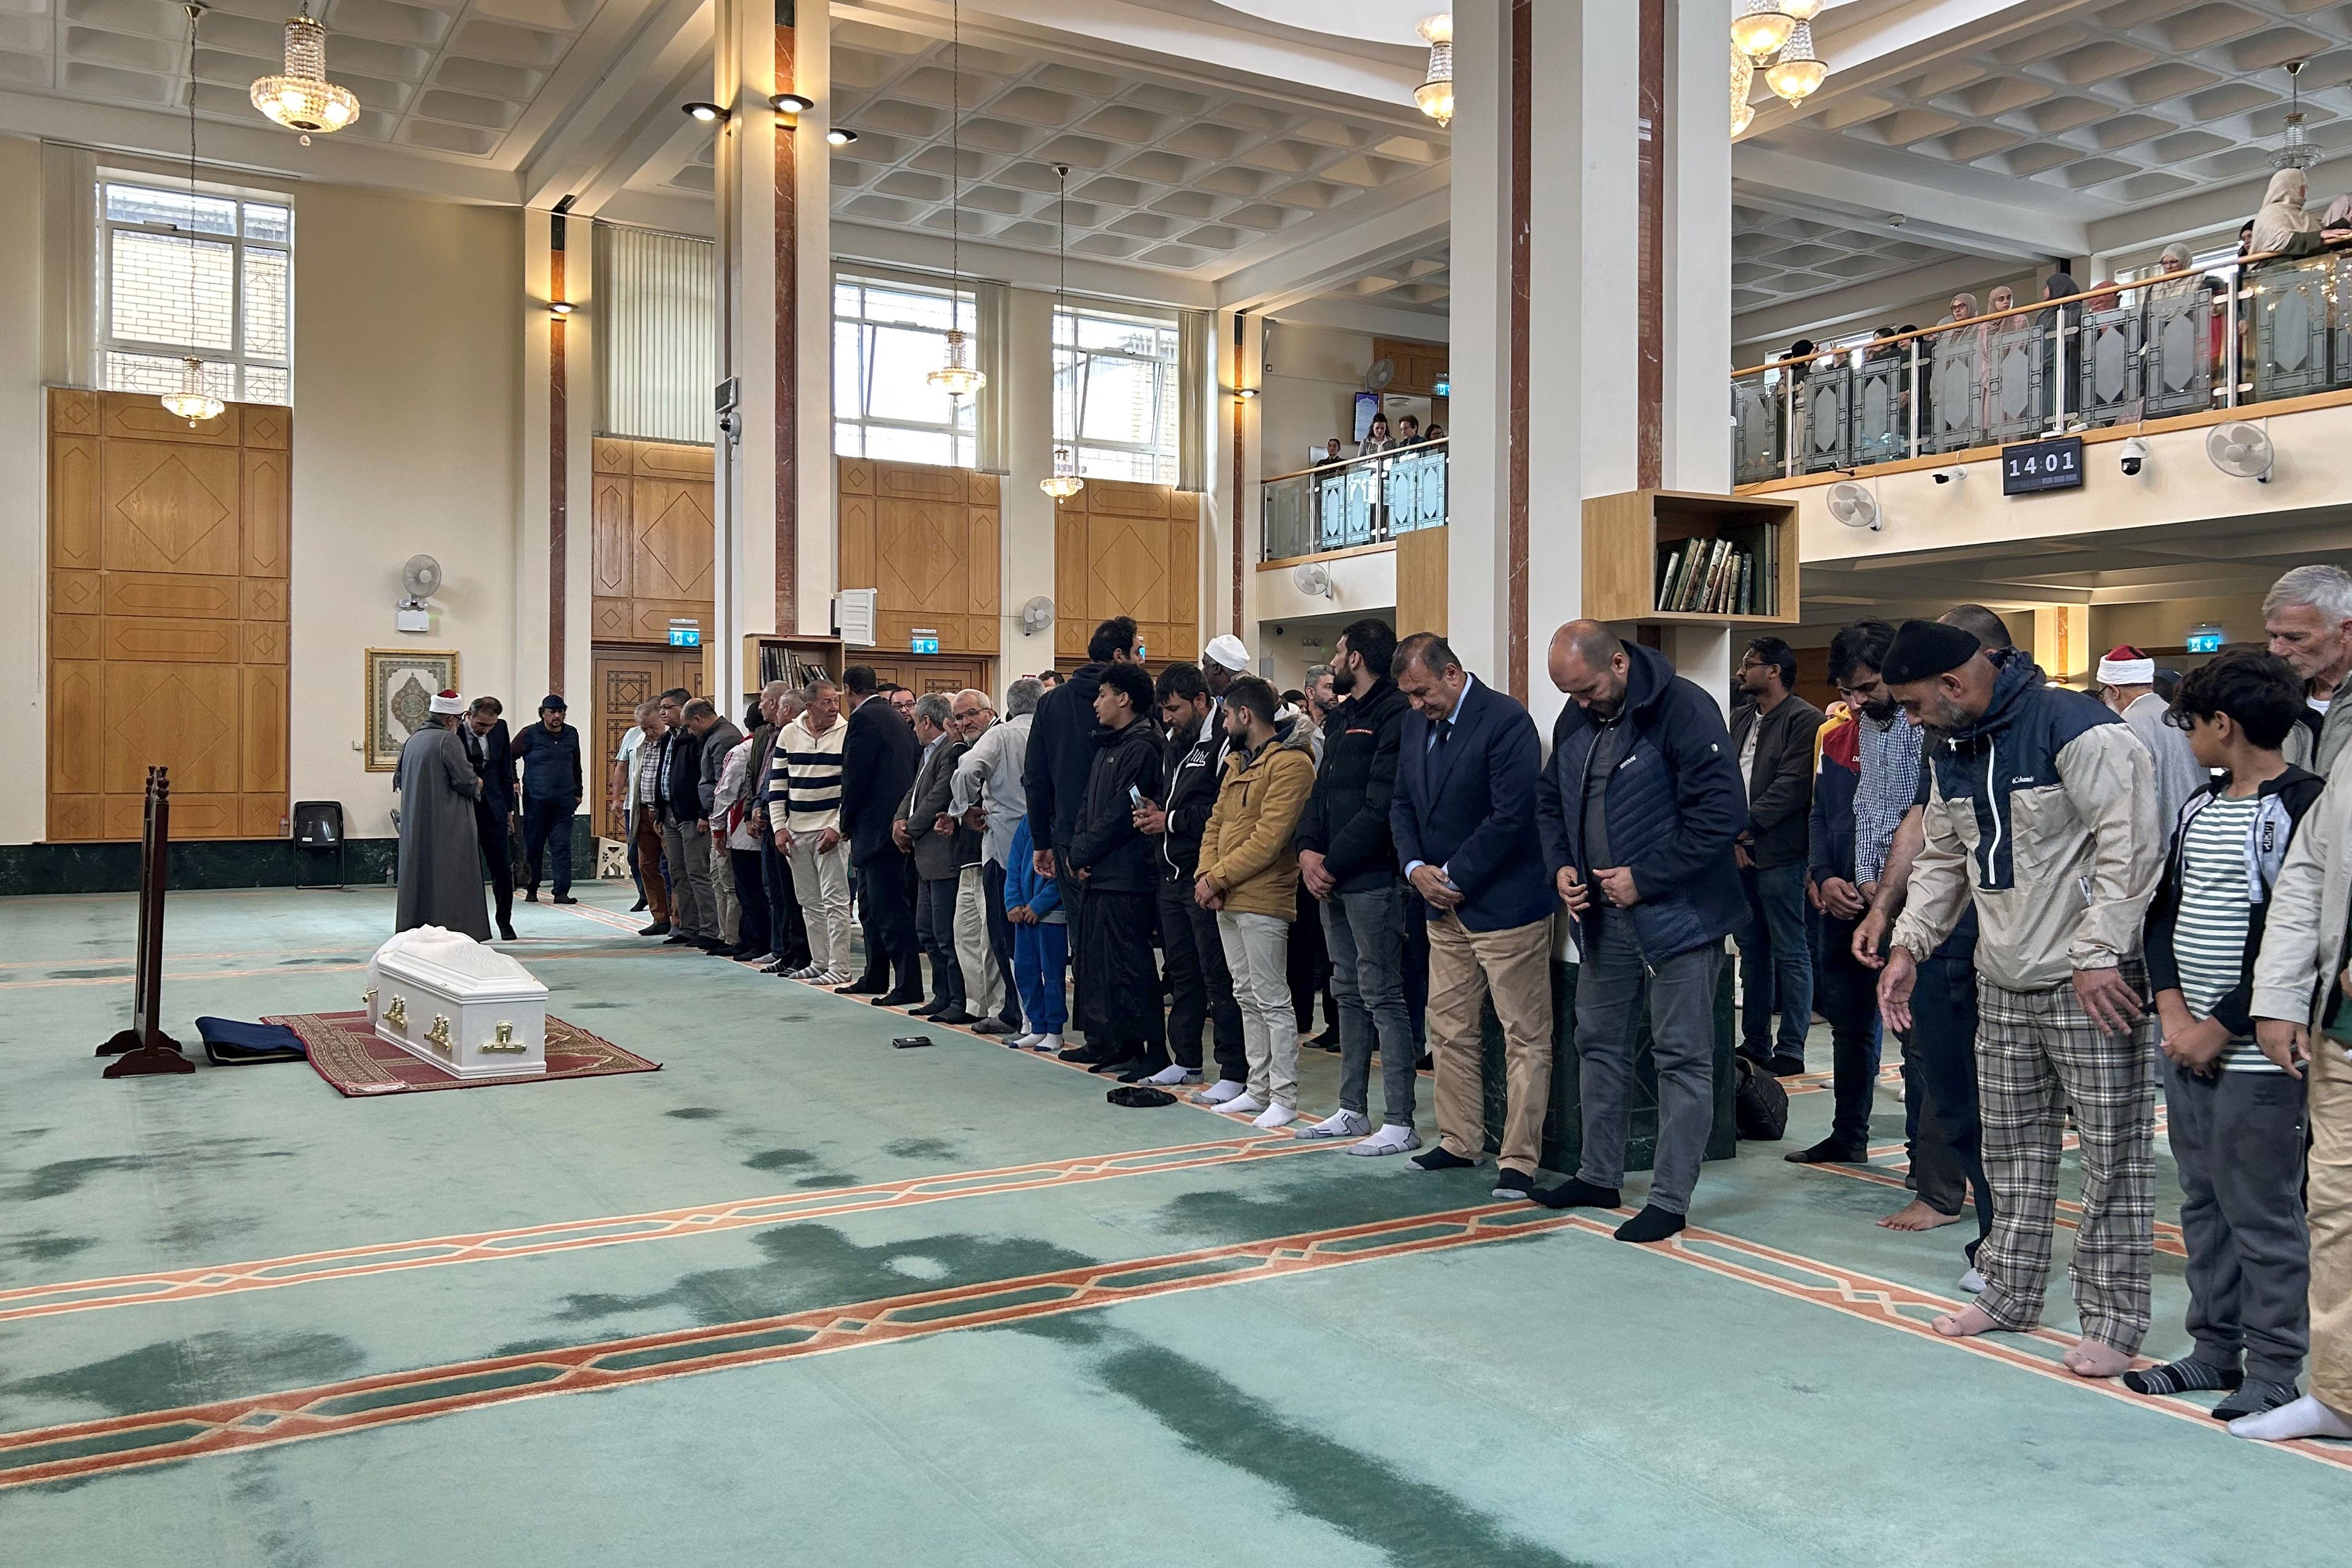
2236 1122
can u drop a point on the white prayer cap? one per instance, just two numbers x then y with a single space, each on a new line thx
2126 667
1228 650
448 702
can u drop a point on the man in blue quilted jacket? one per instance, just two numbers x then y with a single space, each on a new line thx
1638 810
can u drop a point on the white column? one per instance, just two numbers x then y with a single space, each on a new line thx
819 575
1026 527
1477 596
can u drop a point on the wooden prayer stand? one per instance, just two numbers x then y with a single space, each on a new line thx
144 1047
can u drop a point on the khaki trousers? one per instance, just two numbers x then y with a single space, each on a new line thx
983 983
722 892
1465 966
2330 1078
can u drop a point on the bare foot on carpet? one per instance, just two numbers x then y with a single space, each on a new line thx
2095 1358
1916 1215
1970 1321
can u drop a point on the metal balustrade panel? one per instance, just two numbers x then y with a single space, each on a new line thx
2180 348
1956 406
1756 416
1825 417
2292 317
1881 419
2112 389
2017 364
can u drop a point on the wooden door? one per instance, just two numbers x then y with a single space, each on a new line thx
920 673
624 677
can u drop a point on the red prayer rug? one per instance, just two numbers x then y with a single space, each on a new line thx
348 1055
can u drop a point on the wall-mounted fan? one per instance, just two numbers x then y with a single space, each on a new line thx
1312 579
1377 378
2240 450
420 580
1854 506
1036 615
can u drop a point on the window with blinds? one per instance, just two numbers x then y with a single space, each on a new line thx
656 307
208 276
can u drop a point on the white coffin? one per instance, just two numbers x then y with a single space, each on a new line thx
466 1009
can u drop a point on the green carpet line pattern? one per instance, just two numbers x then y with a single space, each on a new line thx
231 1279
80 1448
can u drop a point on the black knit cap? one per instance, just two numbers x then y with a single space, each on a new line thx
1926 649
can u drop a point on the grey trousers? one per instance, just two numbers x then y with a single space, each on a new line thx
1365 935
2237 1143
1681 1027
689 873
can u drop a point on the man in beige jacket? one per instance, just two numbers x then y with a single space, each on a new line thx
2043 812
1249 875
2301 1023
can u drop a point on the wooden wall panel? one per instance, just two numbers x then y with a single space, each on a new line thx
928 542
651 540
171 549
1422 581
1128 549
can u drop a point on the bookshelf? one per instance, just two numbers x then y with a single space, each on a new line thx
1720 559
768 657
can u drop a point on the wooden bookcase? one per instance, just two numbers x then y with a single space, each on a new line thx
761 652
1624 534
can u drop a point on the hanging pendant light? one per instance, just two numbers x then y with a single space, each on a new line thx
1064 482
1799 72
1759 31
1743 82
303 98
192 400
2294 150
958 378
1435 95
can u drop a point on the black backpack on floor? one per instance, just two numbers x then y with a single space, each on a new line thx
1759 1107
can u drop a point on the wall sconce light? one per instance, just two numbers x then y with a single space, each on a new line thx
840 136
1244 393
791 103
705 112
561 308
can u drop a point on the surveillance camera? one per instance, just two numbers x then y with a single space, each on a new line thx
2135 453
1946 476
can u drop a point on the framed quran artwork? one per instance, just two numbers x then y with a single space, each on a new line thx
400 682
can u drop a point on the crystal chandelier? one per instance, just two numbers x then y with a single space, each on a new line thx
1743 82
192 400
1798 73
303 98
2294 150
1435 95
957 378
1064 482
1760 31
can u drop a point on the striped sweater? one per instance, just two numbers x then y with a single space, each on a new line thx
806 774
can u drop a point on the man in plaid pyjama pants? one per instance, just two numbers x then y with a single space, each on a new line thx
2042 814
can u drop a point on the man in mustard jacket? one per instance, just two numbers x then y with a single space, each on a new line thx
1249 875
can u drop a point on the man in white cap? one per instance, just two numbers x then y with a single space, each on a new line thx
1225 658
440 855
2127 685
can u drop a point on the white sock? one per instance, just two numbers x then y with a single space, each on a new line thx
1217 1094
1272 1117
1174 1073
1046 1042
1025 1041
2305 1418
1241 1105
1389 1139
1340 1123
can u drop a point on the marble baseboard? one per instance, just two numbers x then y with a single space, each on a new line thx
224 862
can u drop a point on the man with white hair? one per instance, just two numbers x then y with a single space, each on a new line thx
2127 685
2307 616
988 779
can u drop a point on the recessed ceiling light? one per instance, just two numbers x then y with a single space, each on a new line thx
840 136
705 113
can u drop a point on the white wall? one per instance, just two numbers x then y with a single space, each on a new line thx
1309 394
23 532
409 322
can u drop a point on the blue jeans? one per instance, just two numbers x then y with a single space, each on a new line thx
1776 963
1041 958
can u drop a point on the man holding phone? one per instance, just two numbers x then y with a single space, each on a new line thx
1119 1008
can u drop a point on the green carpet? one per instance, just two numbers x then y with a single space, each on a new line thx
802 1298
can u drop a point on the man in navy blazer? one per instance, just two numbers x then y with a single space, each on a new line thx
1464 818
492 755
1639 809
878 759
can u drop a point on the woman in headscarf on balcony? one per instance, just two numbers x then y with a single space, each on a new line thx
1933 352
2281 226
2336 227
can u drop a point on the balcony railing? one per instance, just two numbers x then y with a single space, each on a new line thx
2247 332
1361 501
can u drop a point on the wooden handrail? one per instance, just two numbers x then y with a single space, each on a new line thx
1350 461
2242 263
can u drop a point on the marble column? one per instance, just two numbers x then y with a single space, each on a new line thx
773 523
1585 131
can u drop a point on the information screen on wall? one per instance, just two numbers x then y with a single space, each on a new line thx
2038 466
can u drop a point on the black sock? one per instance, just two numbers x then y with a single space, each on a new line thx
2254 1397
1440 1158
1652 1224
2182 1376
1578 1193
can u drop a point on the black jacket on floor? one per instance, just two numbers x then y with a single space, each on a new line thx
1061 756
1347 818
1107 845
